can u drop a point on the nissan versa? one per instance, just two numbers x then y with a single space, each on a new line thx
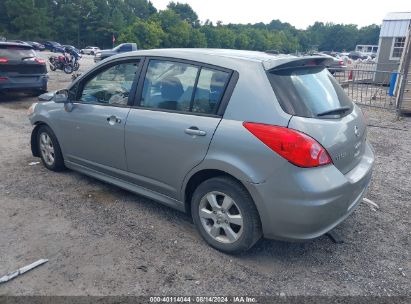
250 144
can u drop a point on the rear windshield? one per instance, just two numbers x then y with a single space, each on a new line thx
16 52
308 91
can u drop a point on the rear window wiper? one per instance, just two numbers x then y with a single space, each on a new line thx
334 111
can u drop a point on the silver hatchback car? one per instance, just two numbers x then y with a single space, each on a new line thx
250 144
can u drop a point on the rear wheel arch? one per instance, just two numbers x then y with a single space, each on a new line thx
199 177
247 222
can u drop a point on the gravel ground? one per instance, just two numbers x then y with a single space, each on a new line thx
101 240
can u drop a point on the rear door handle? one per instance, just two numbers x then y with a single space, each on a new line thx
195 131
112 120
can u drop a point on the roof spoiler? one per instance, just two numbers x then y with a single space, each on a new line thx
293 62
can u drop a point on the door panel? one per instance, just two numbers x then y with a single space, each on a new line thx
162 147
95 133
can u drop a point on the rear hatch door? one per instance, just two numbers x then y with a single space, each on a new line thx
20 61
322 110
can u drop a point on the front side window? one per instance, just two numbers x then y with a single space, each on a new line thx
397 47
111 86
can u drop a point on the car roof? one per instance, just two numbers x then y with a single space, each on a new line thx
26 45
220 56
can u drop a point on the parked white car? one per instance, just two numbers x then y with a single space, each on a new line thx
90 50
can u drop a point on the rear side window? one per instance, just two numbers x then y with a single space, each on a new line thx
308 91
169 85
210 89
183 87
16 52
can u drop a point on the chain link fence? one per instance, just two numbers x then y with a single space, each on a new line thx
368 86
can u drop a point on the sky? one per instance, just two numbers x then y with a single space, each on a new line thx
298 13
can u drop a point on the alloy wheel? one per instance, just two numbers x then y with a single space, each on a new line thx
221 217
47 149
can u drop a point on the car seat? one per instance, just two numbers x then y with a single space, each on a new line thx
171 90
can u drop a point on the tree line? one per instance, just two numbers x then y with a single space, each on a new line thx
95 22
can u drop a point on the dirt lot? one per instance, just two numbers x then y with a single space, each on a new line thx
101 240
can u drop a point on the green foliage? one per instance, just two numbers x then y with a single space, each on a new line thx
147 34
25 19
94 22
185 12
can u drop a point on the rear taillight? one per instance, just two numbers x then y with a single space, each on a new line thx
296 147
341 62
40 60
3 78
4 60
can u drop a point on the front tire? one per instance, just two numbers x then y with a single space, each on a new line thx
50 151
225 215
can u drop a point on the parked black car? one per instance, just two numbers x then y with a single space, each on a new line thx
71 48
356 55
53 46
37 46
21 69
121 48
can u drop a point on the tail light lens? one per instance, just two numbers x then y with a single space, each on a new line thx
341 62
40 60
3 78
296 147
4 60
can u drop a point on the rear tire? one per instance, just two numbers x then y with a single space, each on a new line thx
49 148
225 215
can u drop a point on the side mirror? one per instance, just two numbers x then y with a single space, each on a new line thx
61 96
46 96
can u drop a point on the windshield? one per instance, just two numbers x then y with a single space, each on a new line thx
309 91
16 52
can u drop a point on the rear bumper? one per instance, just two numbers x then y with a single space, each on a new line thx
26 82
302 204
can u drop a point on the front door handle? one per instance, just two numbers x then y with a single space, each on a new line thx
195 131
112 120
